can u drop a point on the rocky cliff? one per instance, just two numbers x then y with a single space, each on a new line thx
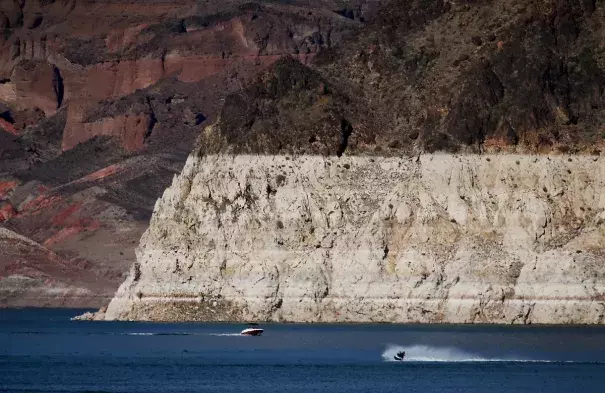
103 100
444 164
100 104
432 238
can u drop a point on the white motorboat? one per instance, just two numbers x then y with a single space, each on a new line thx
252 330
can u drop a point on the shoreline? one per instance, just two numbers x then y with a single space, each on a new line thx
311 324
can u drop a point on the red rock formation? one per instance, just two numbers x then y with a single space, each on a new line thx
6 187
101 174
33 84
39 205
130 129
82 225
6 212
60 218
8 127
73 66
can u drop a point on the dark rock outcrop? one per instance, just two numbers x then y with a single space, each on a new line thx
420 73
292 109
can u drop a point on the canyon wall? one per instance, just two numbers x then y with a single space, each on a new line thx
430 238
100 104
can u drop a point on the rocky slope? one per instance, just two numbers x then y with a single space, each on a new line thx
425 76
433 238
31 274
100 104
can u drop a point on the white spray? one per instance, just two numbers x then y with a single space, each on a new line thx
424 353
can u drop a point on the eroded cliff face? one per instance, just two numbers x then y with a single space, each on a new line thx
431 238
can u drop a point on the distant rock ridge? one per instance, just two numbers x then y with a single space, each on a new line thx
434 238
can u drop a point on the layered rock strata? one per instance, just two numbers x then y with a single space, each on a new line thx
81 55
433 238
33 275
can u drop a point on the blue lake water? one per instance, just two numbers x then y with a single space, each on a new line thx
43 351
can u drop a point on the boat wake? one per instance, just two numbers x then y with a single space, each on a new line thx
183 334
225 334
157 334
134 333
139 334
424 353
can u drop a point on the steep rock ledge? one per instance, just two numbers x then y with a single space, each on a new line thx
432 238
